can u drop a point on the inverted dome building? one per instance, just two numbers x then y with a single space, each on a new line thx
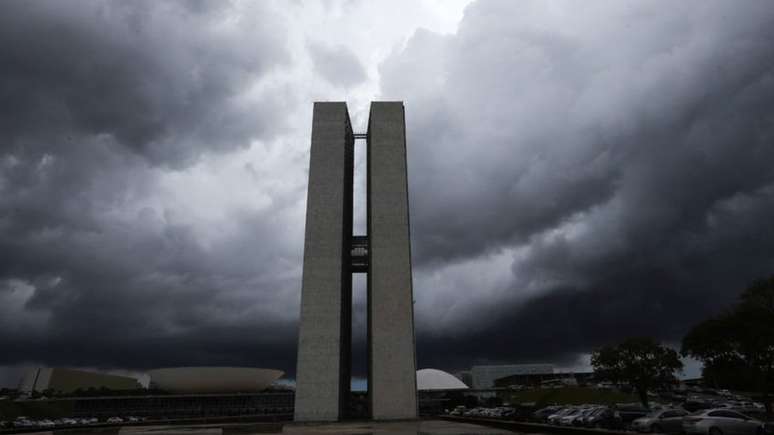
68 380
438 380
202 380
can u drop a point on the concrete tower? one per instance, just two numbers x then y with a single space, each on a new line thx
332 254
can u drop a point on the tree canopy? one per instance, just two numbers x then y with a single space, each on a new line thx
737 346
642 363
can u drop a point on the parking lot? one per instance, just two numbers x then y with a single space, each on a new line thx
704 412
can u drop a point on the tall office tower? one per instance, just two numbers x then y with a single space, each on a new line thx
332 254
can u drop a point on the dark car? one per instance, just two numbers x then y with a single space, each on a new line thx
630 413
543 413
583 419
760 414
696 405
605 418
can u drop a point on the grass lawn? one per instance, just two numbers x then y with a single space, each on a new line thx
35 409
569 396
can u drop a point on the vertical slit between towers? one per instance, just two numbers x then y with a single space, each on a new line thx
359 363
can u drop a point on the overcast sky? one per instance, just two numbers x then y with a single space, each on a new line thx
579 172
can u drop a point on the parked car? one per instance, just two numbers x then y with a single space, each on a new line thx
567 419
507 411
662 421
580 418
631 412
695 404
605 418
458 410
115 420
69 421
523 412
46 423
554 418
543 413
23 422
722 422
584 420
759 414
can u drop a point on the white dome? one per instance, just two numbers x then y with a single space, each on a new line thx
432 379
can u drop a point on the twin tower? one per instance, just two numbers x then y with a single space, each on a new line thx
332 254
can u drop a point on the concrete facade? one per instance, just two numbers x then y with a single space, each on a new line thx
392 363
332 254
323 372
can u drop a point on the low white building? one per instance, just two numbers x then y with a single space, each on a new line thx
199 380
484 376
437 380
66 380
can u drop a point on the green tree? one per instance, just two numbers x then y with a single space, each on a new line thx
737 346
642 363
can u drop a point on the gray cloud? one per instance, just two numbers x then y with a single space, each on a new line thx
160 78
577 175
102 102
608 152
337 64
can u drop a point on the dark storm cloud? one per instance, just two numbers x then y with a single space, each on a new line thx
160 78
578 174
618 155
100 101
146 292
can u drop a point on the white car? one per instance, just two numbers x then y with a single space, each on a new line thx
661 421
459 410
23 422
115 420
722 422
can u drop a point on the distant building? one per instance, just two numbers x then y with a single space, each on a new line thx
541 379
63 380
201 380
465 376
484 376
332 254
